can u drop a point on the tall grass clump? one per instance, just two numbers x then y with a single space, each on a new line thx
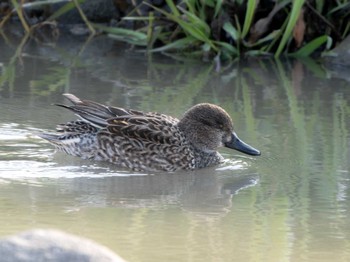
230 29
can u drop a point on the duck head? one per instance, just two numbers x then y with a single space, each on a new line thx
209 127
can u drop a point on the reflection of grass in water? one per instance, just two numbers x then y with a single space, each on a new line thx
298 192
268 225
182 90
317 148
57 78
8 75
248 106
8 72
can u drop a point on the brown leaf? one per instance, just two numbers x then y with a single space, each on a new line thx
299 29
262 25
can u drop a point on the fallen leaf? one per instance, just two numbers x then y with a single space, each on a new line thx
299 29
261 26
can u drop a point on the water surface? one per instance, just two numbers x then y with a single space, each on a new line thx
290 204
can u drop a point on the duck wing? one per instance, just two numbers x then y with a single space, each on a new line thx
95 113
149 128
150 142
131 124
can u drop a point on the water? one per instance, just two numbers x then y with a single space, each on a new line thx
290 204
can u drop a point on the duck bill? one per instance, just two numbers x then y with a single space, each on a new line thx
239 145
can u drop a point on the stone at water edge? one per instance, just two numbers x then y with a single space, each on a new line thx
53 245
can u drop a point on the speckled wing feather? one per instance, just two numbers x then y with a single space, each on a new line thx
151 128
95 113
148 142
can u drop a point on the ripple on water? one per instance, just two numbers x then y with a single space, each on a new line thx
24 155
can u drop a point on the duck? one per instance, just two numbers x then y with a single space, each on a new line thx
147 141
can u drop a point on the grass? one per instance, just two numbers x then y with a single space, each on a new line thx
220 29
292 19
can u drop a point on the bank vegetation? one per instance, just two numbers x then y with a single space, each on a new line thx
211 29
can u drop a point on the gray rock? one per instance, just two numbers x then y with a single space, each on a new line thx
337 62
340 55
52 245
94 10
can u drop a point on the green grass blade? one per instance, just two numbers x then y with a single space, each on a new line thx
64 9
226 47
196 21
128 39
267 39
138 18
172 7
218 7
294 15
191 5
346 30
251 5
257 53
344 6
42 3
196 28
309 48
20 14
233 32
182 43
130 36
319 5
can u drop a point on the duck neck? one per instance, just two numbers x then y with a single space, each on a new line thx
206 159
196 135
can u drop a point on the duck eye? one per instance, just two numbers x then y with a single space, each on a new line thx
219 124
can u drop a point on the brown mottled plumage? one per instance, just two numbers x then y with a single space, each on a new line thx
147 141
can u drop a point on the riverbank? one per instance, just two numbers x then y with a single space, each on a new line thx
216 30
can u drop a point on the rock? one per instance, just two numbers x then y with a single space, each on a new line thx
52 245
95 10
337 63
340 55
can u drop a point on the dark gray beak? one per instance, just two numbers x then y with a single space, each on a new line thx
238 144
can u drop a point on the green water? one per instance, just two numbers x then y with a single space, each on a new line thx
289 204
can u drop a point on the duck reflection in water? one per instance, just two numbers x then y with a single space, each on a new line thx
208 192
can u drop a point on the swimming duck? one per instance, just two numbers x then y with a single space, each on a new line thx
147 141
